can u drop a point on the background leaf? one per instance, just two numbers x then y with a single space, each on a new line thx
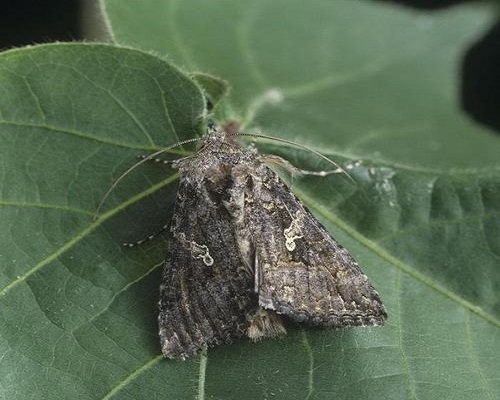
360 81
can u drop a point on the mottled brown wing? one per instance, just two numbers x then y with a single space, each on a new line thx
204 295
300 270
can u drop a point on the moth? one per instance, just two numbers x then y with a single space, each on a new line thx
245 252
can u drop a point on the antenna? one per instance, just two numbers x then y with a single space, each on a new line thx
304 147
151 156
212 126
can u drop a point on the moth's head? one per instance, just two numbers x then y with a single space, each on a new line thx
217 135
214 133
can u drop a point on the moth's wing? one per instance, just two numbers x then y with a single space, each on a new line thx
204 295
300 270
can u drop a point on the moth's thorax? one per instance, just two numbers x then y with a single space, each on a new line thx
219 153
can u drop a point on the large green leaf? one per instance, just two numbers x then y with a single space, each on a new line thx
360 81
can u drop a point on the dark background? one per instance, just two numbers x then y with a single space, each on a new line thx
24 22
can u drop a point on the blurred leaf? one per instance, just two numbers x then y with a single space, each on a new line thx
359 81
214 89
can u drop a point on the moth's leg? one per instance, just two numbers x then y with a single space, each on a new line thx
147 238
162 161
292 169
157 160
264 323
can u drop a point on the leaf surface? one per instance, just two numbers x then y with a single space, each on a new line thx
359 81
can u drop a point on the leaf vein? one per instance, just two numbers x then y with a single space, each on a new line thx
123 289
202 374
473 356
75 133
310 375
175 35
411 382
120 104
242 30
381 162
165 108
129 378
83 233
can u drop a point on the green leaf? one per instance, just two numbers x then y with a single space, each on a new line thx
359 81
73 117
214 89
